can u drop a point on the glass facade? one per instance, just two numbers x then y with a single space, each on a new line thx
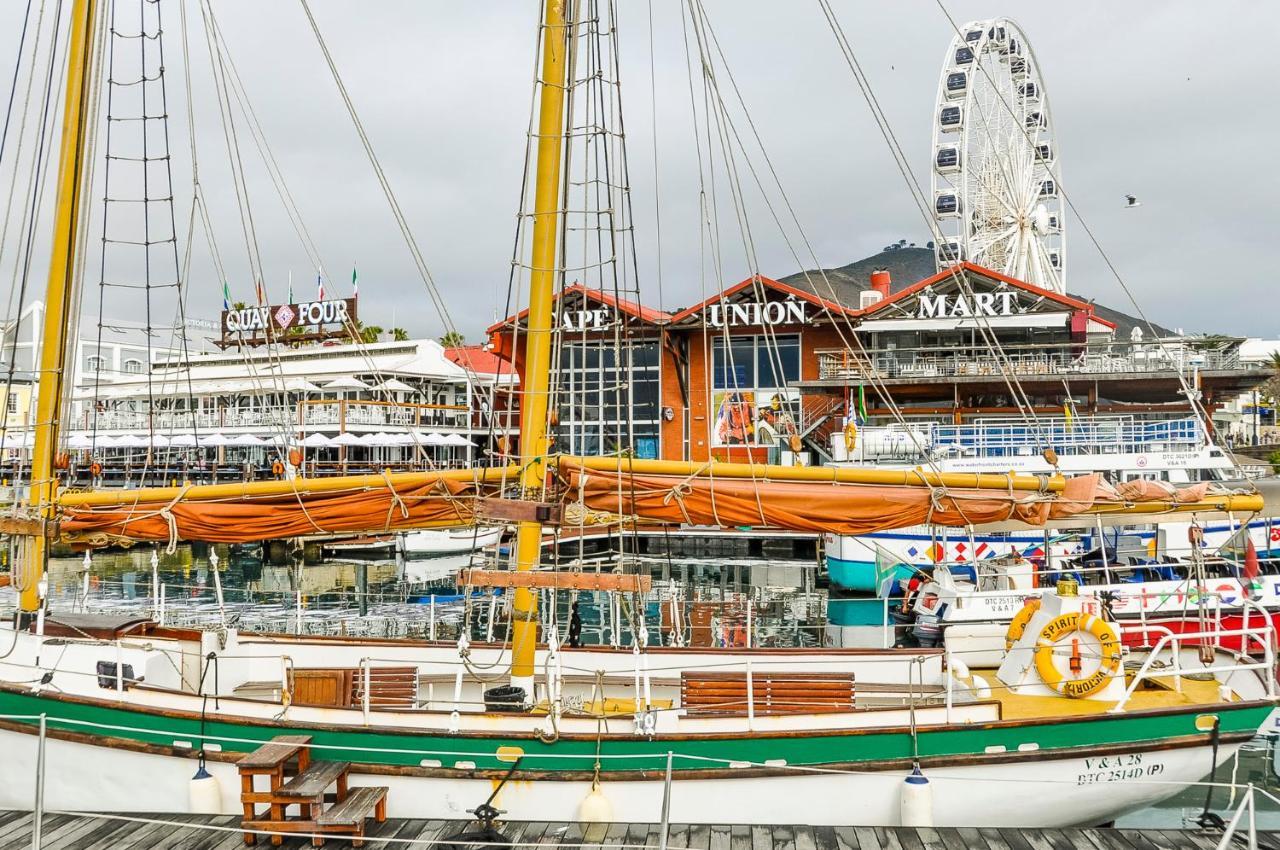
751 404
608 397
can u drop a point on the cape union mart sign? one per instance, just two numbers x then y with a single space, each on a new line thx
317 319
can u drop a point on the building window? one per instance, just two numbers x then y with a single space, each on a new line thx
11 404
609 400
95 363
752 401
133 366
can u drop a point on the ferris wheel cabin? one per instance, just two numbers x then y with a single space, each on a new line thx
947 159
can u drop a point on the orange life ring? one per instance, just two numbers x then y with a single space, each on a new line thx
1018 626
95 468
295 457
277 468
850 436
1064 625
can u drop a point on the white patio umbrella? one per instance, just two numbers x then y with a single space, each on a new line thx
433 439
159 441
80 441
105 441
381 439
346 438
317 441
395 385
456 440
130 441
300 385
400 438
345 383
183 441
245 440
214 440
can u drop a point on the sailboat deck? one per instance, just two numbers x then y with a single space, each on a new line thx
1161 692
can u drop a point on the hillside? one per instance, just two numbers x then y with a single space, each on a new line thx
908 265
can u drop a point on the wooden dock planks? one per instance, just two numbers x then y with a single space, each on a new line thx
104 832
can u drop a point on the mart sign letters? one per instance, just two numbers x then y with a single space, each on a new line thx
961 306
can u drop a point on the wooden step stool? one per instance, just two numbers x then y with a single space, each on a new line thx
349 816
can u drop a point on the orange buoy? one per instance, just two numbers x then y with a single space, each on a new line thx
95 468
295 457
277 468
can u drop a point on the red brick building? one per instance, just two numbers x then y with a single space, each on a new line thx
769 370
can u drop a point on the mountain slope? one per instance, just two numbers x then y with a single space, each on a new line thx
908 265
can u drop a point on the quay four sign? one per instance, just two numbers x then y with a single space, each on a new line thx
319 320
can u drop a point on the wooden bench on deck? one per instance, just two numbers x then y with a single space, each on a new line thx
390 687
725 693
293 778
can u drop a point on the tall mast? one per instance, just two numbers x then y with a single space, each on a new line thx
60 294
537 372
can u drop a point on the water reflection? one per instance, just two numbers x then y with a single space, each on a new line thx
699 601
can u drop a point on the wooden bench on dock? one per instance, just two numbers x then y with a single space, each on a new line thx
707 694
293 778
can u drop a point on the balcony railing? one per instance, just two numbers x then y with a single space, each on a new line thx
1013 437
315 415
1020 361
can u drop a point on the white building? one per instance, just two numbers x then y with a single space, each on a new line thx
1251 417
120 348
344 407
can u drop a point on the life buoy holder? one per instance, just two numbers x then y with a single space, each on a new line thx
850 436
1067 624
1018 626
277 468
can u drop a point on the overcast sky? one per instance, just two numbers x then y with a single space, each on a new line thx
1162 100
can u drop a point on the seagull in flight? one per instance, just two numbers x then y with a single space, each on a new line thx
1131 201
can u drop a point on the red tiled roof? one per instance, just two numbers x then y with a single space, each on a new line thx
1065 300
478 359
631 308
769 283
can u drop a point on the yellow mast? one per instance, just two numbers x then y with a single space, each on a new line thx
537 371
61 290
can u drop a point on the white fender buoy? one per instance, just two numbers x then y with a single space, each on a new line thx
980 687
204 797
959 668
917 800
595 807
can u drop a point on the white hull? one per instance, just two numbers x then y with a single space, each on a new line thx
448 541
1050 793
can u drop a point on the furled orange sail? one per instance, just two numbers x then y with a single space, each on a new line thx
834 508
859 508
429 502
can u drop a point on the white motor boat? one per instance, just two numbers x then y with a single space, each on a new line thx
449 541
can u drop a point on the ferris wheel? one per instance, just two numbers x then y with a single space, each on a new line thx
996 198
